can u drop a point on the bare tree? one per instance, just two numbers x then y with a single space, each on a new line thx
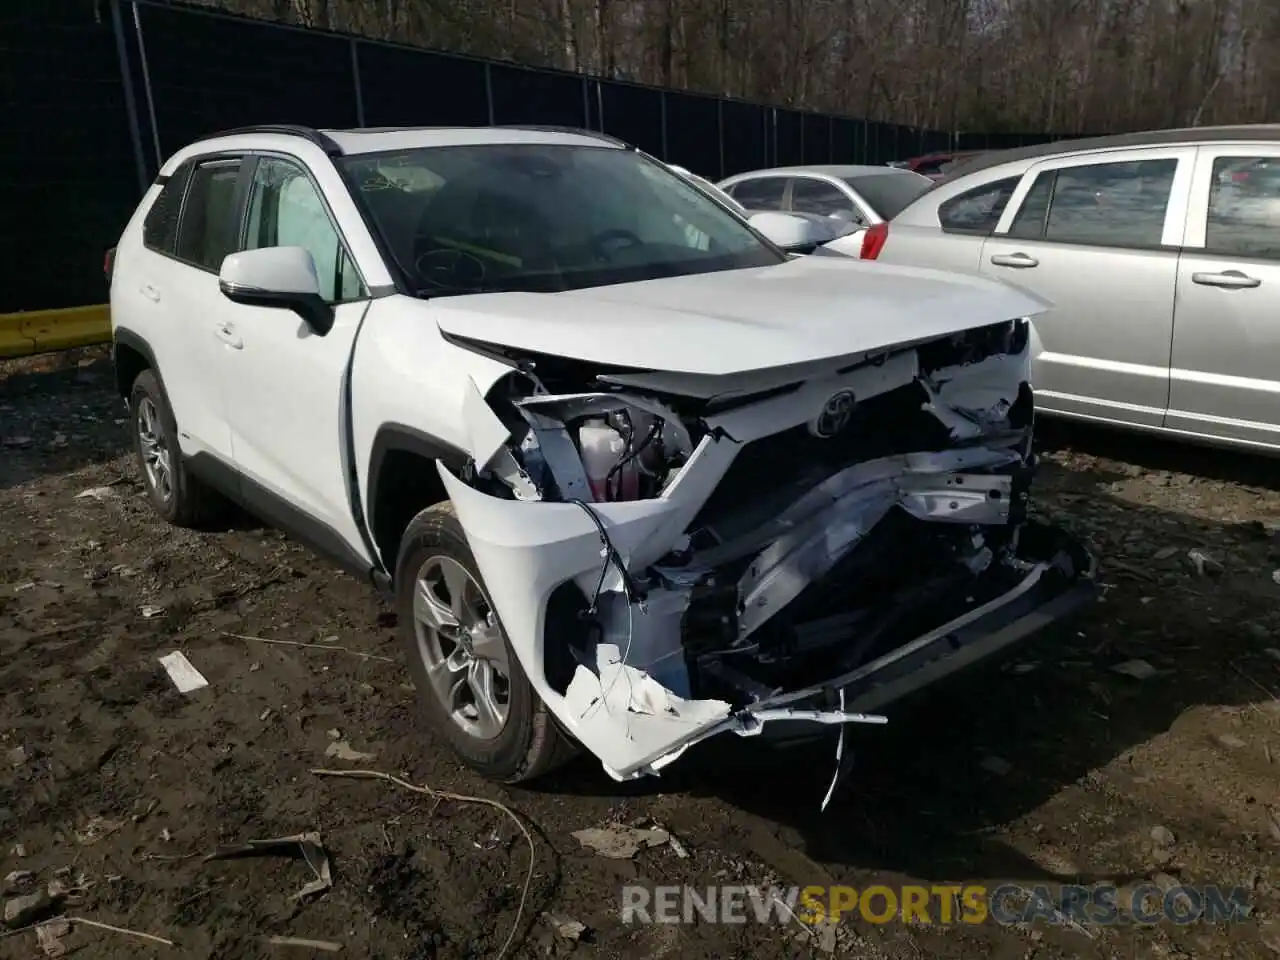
1065 66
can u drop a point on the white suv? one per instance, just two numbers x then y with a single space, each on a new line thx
634 475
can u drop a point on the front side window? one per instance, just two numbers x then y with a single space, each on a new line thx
1111 204
977 210
544 217
1244 208
760 193
285 210
208 229
818 196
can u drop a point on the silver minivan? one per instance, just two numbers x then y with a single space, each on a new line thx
1160 253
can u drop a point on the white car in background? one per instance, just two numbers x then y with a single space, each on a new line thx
628 491
711 188
856 196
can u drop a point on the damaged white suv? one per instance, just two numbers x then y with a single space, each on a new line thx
635 476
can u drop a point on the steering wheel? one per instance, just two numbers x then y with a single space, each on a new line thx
601 241
449 269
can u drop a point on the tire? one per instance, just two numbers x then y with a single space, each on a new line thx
528 743
182 500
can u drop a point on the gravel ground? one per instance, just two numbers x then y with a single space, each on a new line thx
1055 769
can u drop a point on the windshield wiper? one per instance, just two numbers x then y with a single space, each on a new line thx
428 293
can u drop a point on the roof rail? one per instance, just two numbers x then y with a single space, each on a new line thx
310 134
556 128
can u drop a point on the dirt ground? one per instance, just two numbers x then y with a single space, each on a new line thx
1054 769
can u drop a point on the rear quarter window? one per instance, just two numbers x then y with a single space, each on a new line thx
977 210
160 226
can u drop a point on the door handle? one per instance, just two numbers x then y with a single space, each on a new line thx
150 292
227 334
1017 260
1231 279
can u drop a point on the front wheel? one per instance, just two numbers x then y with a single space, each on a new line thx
470 683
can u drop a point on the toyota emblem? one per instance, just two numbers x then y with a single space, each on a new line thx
835 416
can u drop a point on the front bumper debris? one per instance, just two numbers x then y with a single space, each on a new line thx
650 624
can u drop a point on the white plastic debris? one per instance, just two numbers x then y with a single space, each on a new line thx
341 750
182 672
618 842
95 493
1138 669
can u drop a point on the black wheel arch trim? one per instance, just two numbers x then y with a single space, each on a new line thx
124 337
399 437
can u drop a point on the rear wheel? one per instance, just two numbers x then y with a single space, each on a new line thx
177 496
470 683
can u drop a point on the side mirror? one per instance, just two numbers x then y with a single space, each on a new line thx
282 277
793 234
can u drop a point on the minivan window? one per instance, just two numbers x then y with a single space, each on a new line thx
977 210
209 218
1244 208
1111 204
160 227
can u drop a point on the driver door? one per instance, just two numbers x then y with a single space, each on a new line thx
287 385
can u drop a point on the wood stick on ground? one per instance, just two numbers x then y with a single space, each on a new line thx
128 933
90 923
460 798
328 946
332 647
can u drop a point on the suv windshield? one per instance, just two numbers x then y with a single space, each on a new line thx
889 193
542 217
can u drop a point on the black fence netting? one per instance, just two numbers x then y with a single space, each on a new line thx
744 131
215 73
693 133
633 114
68 172
97 93
522 95
402 87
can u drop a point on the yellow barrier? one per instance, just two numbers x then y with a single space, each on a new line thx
44 331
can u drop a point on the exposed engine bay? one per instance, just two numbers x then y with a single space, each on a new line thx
678 563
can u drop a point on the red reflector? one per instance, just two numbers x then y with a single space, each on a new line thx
873 240
108 261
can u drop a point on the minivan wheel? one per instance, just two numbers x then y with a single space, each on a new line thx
176 495
471 686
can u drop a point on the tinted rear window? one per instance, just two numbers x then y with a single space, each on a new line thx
889 193
160 227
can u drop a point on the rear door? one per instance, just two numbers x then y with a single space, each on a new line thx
1224 376
1098 236
948 235
172 286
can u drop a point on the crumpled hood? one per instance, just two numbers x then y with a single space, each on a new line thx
736 321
